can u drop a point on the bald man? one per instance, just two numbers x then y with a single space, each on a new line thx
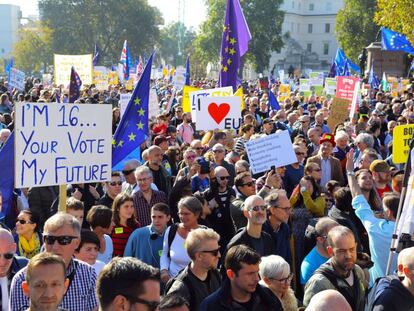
10 264
328 300
393 294
161 177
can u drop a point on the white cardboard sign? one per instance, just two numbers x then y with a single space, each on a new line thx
123 102
271 150
58 144
179 77
16 79
218 113
154 108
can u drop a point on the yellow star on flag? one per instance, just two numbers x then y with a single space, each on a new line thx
121 142
131 136
113 142
232 41
141 112
225 68
224 28
232 51
137 101
229 61
140 125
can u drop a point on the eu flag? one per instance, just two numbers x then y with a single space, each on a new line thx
273 103
395 41
133 127
234 44
373 79
7 176
74 87
187 71
341 62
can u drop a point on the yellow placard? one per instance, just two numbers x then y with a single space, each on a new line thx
113 78
129 85
338 112
64 63
186 97
401 142
284 92
239 93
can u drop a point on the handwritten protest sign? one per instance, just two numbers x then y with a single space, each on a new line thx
16 79
218 113
271 150
338 112
57 144
64 63
113 78
178 79
123 102
284 92
196 96
345 87
100 77
153 106
330 86
402 135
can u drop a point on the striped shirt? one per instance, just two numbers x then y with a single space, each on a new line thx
120 235
79 297
240 145
143 208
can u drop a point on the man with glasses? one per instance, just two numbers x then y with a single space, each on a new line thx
128 284
146 197
252 235
295 171
319 254
10 264
160 175
130 184
201 277
198 147
62 237
219 153
113 188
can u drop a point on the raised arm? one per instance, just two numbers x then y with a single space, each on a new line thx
352 182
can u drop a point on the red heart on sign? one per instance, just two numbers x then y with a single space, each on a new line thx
218 112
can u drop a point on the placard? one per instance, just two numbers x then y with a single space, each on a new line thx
16 79
196 96
153 105
100 77
178 79
345 87
339 112
113 78
64 63
284 92
57 144
270 150
218 113
330 86
186 97
402 135
123 102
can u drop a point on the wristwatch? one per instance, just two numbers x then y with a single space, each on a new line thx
303 189
350 173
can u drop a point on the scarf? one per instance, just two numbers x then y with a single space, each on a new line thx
29 248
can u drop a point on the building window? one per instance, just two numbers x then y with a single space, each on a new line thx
310 28
311 6
327 28
309 47
325 48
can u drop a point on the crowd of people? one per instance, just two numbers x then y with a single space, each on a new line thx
190 227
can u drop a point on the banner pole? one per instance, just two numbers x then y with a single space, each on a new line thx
62 198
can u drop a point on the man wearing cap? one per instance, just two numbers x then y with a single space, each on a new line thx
268 126
381 173
331 167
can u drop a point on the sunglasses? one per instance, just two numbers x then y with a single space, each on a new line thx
23 222
152 305
317 170
213 252
62 240
258 208
127 172
7 256
115 183
199 148
219 151
249 184
300 153
224 178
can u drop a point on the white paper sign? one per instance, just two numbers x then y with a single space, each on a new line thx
153 106
16 79
196 96
271 150
123 102
64 63
179 78
219 113
58 144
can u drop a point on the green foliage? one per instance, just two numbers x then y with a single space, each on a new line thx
396 15
168 45
265 23
33 51
79 24
355 28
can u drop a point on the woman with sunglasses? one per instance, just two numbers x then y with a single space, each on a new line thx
275 274
189 158
124 221
28 239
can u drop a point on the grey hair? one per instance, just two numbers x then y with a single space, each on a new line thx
365 138
250 200
143 170
340 135
273 267
59 220
272 199
324 224
192 204
196 239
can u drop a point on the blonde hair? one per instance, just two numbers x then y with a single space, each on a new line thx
197 238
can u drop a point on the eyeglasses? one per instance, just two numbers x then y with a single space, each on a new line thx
300 153
127 172
152 305
285 209
62 240
143 179
115 183
248 184
224 177
286 280
258 208
23 222
7 256
317 170
199 148
213 252
218 150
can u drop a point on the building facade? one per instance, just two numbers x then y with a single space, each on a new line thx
312 44
10 16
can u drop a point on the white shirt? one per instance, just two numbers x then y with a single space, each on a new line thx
4 293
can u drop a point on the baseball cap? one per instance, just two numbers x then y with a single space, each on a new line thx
379 166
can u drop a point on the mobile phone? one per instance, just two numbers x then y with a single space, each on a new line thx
273 168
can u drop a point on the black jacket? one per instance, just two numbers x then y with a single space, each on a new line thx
392 295
189 286
242 237
221 300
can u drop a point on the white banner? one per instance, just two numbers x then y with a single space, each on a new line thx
123 102
153 106
64 63
57 144
179 78
16 79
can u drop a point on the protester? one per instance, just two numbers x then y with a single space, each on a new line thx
28 238
328 300
75 208
112 189
173 302
88 250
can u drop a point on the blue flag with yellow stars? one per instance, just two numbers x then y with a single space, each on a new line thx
133 127
395 41
234 44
